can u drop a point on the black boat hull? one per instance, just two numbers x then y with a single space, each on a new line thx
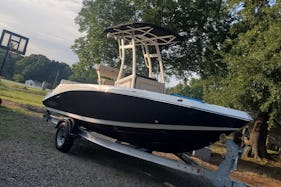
135 110
123 108
169 141
147 123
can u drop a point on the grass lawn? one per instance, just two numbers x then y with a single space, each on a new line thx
16 125
21 93
22 105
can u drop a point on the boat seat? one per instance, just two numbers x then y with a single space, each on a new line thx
146 83
106 82
106 75
141 82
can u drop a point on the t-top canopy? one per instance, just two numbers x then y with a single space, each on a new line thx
144 34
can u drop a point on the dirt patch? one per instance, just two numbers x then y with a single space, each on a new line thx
255 180
30 108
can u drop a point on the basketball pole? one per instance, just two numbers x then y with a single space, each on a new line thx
4 60
2 66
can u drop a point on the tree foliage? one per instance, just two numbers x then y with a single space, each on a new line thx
83 74
193 89
40 68
35 67
93 48
252 57
202 23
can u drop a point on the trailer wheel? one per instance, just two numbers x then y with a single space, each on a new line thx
63 139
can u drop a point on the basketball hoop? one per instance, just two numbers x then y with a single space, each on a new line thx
12 42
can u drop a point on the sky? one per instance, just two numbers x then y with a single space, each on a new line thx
49 25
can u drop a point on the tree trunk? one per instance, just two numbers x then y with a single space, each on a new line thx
259 135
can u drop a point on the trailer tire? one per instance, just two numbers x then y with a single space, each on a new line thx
63 139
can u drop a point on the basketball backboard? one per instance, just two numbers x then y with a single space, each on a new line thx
13 42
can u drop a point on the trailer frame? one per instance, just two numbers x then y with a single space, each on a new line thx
219 178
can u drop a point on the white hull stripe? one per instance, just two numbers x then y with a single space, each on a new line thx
141 125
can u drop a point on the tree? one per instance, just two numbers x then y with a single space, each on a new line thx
204 25
252 56
40 68
93 48
37 67
82 73
258 136
193 89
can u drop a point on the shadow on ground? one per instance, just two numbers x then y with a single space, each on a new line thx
83 149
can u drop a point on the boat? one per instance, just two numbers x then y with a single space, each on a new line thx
129 103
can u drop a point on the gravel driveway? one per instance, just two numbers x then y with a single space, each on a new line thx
28 158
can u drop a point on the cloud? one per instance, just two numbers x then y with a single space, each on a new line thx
48 23
70 5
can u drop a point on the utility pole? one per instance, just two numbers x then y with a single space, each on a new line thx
56 79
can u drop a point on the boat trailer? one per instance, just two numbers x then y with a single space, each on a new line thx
66 132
